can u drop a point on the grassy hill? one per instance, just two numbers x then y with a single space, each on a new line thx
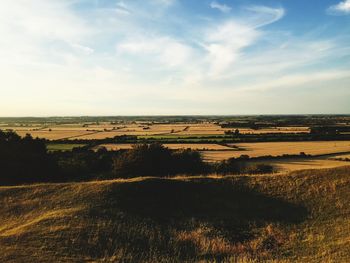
300 217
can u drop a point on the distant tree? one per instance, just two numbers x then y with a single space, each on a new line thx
156 160
24 160
142 160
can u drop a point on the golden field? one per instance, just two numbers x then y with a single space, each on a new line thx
217 152
296 164
55 135
280 148
344 156
108 130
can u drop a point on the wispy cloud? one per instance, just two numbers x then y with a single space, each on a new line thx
295 80
224 44
122 8
222 7
265 15
342 8
165 50
164 2
85 50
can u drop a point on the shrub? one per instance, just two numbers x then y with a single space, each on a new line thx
83 164
188 162
242 166
259 168
156 160
230 166
143 159
24 160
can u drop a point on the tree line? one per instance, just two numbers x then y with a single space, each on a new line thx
27 160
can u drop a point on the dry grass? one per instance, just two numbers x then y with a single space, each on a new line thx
232 219
208 241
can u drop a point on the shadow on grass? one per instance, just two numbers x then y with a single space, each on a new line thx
205 199
229 207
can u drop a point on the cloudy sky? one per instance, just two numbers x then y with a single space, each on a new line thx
137 57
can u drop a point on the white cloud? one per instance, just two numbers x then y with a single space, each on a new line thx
49 19
168 51
340 8
40 32
225 43
222 7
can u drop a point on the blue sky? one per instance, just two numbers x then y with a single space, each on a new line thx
160 57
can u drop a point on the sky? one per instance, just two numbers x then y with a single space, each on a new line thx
174 57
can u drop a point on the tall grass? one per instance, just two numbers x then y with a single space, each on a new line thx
300 217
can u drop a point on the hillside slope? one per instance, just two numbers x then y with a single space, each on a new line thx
303 217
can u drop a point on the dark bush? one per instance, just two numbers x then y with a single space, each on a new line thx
24 160
82 164
242 166
156 160
188 162
258 168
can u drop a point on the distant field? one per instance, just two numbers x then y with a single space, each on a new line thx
289 165
108 130
54 135
217 152
343 156
280 148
